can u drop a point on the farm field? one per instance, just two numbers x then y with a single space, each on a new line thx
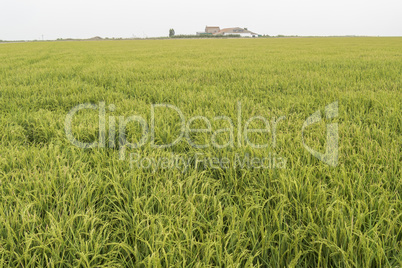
112 205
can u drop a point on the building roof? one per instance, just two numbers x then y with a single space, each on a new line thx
235 30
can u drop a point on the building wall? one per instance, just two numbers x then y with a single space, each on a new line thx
212 30
242 34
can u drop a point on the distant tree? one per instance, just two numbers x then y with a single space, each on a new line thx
171 32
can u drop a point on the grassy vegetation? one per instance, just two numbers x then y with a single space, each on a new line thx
65 206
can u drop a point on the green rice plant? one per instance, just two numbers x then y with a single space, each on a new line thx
65 206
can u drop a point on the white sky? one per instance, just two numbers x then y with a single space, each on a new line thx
30 19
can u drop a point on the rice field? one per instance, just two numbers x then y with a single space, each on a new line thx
237 183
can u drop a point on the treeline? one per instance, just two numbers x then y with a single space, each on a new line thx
205 36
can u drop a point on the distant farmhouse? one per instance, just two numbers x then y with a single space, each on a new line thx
212 29
215 30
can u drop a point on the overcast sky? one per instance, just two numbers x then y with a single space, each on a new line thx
30 19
